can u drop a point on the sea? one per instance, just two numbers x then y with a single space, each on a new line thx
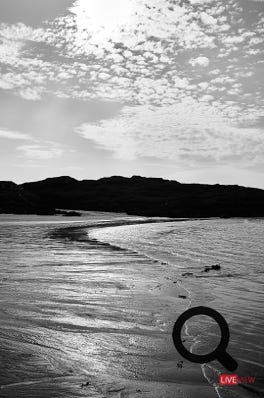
88 305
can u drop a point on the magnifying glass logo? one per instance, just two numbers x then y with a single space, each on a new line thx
219 353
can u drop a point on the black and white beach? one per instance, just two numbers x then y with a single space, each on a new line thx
87 307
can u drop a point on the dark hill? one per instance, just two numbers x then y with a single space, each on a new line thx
15 199
135 195
148 197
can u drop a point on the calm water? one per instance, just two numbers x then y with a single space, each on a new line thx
88 311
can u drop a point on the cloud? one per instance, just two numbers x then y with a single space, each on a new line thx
208 19
191 131
201 61
13 135
35 149
41 151
231 40
103 52
201 2
141 54
30 94
9 50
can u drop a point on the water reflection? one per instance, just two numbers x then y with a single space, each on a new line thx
81 317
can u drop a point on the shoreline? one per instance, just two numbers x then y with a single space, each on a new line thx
112 309
121 312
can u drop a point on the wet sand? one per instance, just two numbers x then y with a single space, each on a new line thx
84 319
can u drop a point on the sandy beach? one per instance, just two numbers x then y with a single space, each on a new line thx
84 318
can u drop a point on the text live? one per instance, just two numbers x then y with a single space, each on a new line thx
231 380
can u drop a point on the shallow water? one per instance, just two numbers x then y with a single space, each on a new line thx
236 290
88 311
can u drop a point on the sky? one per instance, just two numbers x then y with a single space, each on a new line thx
158 88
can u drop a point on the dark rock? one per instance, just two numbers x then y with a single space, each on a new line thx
72 214
87 384
69 213
215 267
180 364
